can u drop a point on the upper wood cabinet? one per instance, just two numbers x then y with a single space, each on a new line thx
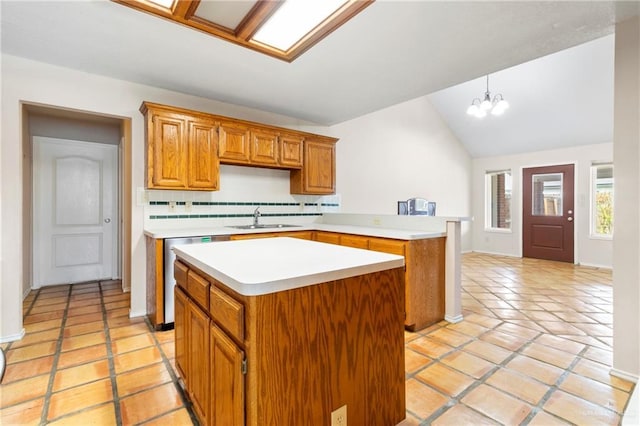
181 150
234 143
318 173
185 149
264 148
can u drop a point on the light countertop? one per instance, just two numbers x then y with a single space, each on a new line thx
262 266
397 234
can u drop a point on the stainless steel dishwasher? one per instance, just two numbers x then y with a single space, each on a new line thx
169 280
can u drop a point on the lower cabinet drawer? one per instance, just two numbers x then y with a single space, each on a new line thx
180 271
198 289
387 246
227 312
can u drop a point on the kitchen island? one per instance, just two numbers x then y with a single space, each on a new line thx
287 331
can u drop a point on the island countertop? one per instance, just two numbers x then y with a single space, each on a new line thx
262 266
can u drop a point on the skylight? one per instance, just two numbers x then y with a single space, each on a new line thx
283 29
293 20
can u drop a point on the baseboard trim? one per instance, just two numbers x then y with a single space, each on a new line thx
593 265
26 293
13 337
136 314
631 416
496 253
624 375
453 320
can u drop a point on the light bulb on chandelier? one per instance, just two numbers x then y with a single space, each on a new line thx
479 108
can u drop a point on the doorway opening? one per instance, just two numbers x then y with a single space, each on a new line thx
76 133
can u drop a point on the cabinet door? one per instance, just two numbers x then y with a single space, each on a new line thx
180 330
204 169
354 241
233 143
264 148
198 340
227 380
167 156
327 237
290 151
387 246
318 173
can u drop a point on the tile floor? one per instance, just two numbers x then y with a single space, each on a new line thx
534 348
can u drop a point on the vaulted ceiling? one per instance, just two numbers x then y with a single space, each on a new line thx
390 52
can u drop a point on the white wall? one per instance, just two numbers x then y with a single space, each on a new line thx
588 250
399 152
626 246
29 81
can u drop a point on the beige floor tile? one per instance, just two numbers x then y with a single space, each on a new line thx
128 330
516 330
143 378
545 419
563 344
24 370
46 316
132 343
450 337
83 319
497 405
90 309
461 415
579 411
42 326
430 347
82 356
412 360
559 328
23 390
539 370
532 325
150 403
136 359
169 349
422 400
468 328
549 355
488 351
468 364
51 300
181 417
518 385
170 336
30 352
78 375
596 392
504 340
86 328
600 372
37 337
445 379
488 322
42 308
27 413
120 312
82 341
506 314
122 321
100 415
599 355
78 398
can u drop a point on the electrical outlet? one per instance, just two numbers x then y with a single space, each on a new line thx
172 205
188 205
376 221
339 416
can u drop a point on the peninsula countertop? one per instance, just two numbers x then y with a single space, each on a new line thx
263 266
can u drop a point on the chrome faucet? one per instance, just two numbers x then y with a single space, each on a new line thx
256 215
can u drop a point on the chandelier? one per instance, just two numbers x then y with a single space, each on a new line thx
479 108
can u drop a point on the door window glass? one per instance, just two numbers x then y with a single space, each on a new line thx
498 200
546 193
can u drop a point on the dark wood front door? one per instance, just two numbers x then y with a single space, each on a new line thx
547 212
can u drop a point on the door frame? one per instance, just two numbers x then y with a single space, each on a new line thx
124 186
577 218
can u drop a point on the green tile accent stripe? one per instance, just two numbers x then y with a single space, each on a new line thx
239 203
216 216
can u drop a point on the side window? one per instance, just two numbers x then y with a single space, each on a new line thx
602 200
498 200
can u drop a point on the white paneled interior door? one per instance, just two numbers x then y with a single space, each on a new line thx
75 212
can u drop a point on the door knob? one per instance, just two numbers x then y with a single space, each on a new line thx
570 219
570 212
107 220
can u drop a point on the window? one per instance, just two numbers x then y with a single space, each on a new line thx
602 200
498 200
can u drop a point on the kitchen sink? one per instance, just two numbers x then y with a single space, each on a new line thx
263 226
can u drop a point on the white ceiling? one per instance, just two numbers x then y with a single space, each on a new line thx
391 52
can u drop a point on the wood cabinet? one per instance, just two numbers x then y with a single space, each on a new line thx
318 173
281 358
234 143
181 303
181 150
185 149
424 272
